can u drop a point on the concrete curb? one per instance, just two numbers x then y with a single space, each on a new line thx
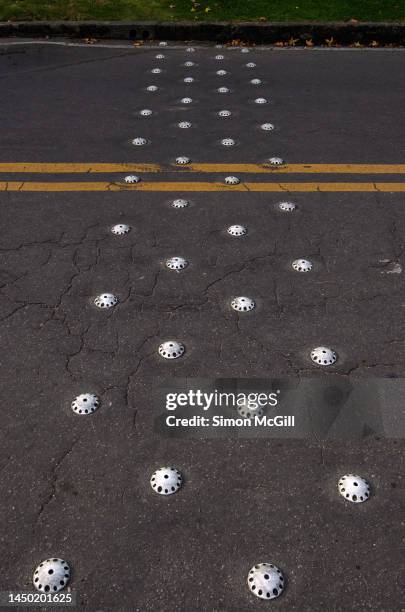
389 33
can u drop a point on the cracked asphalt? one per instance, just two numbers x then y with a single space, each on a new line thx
78 488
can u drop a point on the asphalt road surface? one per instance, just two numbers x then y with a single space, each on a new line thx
77 486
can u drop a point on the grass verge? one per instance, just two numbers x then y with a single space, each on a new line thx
203 10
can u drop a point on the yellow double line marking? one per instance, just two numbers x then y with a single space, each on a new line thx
195 186
111 168
107 168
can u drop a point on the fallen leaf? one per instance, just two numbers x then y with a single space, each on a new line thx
90 41
262 18
374 43
309 43
279 44
330 41
292 41
207 10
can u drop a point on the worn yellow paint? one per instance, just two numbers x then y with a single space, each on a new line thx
107 168
195 186
302 168
68 168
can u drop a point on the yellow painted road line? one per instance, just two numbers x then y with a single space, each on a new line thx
180 186
68 168
107 168
302 168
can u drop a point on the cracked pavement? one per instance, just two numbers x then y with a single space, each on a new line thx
79 488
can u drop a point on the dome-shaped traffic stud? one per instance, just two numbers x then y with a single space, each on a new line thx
251 65
171 349
237 230
160 56
243 304
221 72
184 125
261 101
152 88
219 57
256 82
232 180
267 127
224 113
276 161
302 265
188 64
354 488
145 112
180 203
223 90
85 403
287 206
266 581
166 480
250 410
156 70
120 229
190 50
176 263
106 300
188 80
186 100
322 355
244 50
132 179
182 160
228 142
163 43
138 142
51 576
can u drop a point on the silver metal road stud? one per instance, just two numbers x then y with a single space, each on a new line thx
354 488
166 480
243 304
323 356
266 581
171 349
85 403
51 576
106 300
